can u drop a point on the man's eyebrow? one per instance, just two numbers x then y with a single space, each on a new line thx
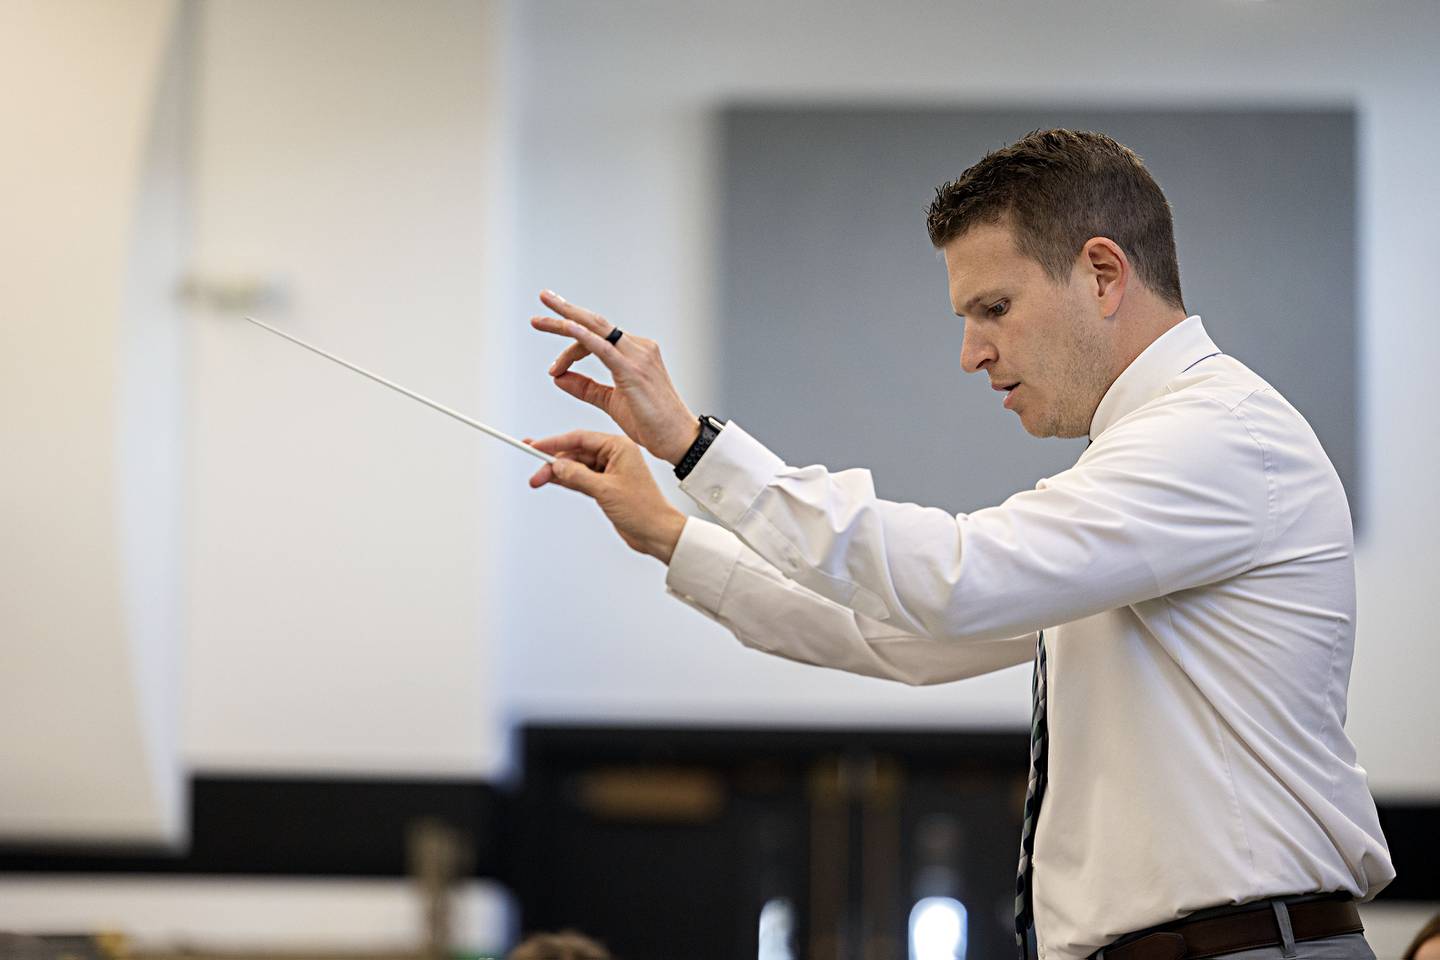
978 298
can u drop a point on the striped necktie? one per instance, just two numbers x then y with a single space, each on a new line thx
1034 792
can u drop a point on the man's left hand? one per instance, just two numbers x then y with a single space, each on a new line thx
643 402
611 470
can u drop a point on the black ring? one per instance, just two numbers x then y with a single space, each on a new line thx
614 335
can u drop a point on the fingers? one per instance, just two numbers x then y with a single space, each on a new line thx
582 441
591 320
571 354
592 464
546 474
573 476
586 327
541 476
583 457
603 349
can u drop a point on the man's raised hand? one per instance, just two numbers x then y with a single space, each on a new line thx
610 470
643 402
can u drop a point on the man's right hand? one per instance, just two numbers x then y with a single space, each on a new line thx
643 402
610 470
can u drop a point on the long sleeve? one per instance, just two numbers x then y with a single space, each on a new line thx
1162 502
717 574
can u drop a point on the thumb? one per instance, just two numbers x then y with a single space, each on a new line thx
583 388
575 476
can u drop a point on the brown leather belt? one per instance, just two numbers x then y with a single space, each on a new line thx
1251 926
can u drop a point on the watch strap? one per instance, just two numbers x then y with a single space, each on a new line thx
710 428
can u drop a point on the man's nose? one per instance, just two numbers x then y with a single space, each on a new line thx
975 352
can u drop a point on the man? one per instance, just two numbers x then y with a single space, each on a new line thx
1186 589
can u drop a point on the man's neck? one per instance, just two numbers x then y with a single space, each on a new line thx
1135 333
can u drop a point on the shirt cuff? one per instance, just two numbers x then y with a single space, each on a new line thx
700 567
732 473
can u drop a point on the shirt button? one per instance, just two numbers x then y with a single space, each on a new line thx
716 494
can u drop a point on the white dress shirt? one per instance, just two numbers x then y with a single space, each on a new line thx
1194 574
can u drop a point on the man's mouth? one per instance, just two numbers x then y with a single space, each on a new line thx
1009 389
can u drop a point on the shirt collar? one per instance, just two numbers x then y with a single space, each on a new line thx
1172 353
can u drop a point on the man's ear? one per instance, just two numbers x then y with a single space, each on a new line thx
1107 273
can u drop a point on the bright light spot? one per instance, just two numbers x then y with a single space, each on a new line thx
777 923
938 928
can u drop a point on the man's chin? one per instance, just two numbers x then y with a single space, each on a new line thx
1043 428
1034 425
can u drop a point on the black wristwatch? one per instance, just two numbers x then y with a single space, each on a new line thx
710 428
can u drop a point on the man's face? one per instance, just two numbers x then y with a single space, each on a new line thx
1023 329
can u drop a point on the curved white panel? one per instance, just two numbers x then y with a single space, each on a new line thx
89 164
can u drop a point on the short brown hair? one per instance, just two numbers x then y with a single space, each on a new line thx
1059 188
565 945
1427 932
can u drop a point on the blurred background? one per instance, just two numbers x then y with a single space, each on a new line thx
291 665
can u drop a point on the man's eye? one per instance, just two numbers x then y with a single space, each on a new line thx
999 308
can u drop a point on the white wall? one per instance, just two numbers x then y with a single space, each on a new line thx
90 243
341 611
337 539
615 106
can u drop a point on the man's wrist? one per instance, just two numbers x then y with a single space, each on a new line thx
668 537
690 434
685 434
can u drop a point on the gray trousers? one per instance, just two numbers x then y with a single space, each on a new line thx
1351 946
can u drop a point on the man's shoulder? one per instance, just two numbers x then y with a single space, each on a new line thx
1221 379
1201 402
1223 383
1217 392
1215 415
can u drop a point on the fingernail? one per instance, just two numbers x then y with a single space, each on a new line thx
553 366
554 296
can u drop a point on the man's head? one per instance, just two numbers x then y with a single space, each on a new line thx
565 945
1061 256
